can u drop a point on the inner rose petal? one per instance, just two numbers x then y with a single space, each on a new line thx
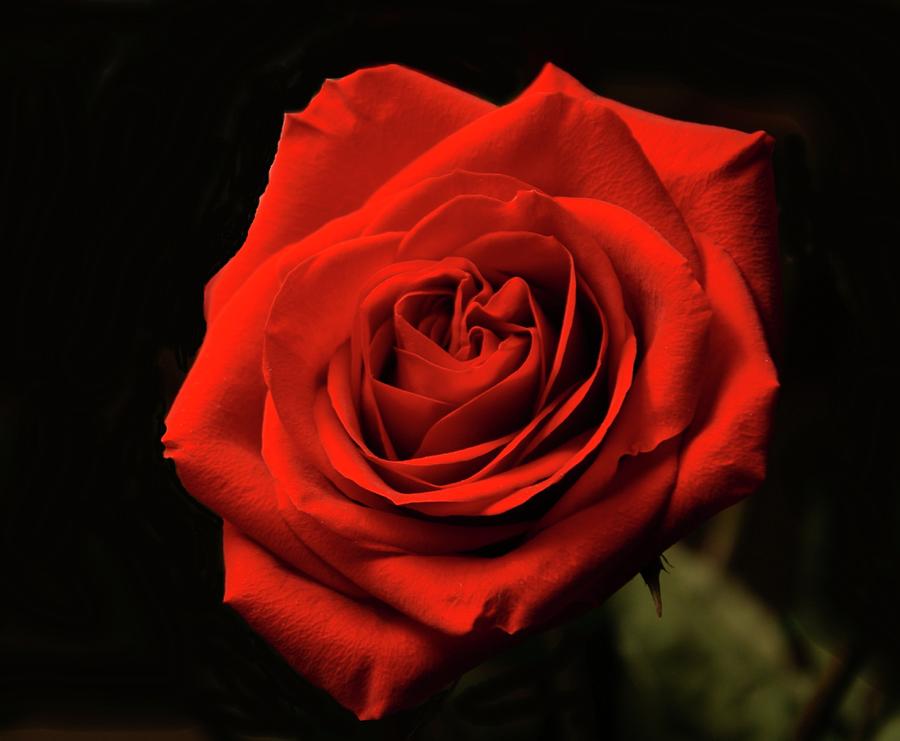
499 409
426 363
407 416
546 266
409 339
372 346
506 255
430 311
415 373
450 467
421 474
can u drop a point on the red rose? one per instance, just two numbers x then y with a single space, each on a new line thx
473 367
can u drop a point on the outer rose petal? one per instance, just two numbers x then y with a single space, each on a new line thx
720 179
370 658
354 134
723 458
213 432
723 449
563 146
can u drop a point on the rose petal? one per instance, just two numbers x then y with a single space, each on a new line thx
723 457
461 594
370 658
720 179
425 473
498 410
671 315
419 473
544 264
563 146
213 433
473 496
361 122
455 386
307 488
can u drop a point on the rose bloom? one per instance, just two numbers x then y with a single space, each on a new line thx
473 368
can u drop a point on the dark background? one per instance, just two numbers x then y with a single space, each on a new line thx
136 139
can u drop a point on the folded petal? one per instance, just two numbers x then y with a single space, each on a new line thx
671 315
214 432
583 557
370 658
564 146
354 134
720 179
724 450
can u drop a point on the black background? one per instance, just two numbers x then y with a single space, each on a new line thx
137 137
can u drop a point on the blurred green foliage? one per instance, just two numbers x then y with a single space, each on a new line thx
718 665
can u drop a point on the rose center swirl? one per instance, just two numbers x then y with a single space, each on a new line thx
473 365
